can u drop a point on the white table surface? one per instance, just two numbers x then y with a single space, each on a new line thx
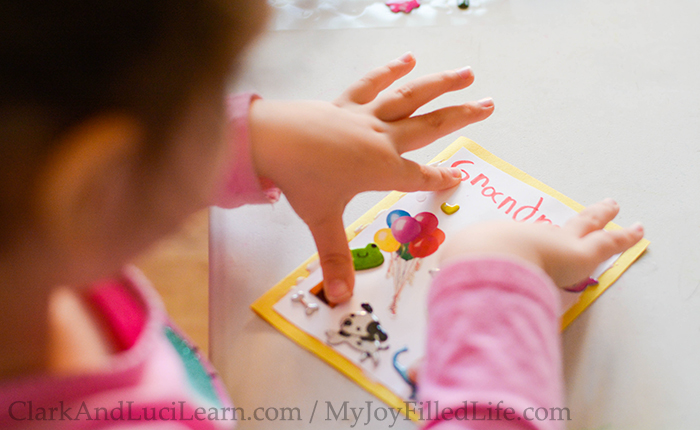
595 98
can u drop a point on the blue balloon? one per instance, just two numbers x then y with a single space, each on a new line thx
394 215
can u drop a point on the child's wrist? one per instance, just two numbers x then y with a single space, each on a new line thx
492 239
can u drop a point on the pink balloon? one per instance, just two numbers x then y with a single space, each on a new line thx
423 246
405 229
428 223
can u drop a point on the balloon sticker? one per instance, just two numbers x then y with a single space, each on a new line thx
385 240
394 215
405 229
408 239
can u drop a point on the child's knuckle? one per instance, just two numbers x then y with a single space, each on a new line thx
623 239
612 242
369 80
587 223
609 210
335 259
406 91
425 174
435 120
450 76
393 68
595 219
468 110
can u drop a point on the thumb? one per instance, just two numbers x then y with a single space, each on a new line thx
335 258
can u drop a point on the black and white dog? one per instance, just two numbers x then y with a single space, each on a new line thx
363 332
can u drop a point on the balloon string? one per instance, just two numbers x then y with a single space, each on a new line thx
404 273
390 269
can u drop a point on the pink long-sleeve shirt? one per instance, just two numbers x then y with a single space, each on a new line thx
492 337
493 347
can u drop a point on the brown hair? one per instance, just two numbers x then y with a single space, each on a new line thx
62 61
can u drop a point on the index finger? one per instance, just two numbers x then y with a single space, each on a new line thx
335 258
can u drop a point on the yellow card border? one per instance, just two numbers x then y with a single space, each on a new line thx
264 305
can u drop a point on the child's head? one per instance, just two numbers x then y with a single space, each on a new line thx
111 115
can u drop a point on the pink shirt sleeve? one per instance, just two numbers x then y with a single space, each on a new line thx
241 184
493 342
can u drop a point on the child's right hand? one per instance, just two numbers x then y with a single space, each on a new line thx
568 254
322 154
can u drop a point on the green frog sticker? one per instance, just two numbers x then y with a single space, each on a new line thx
368 257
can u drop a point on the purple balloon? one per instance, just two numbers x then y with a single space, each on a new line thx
394 215
405 229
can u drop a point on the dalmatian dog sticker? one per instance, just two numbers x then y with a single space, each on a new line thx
361 331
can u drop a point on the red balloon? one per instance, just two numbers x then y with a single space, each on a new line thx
439 235
423 246
428 223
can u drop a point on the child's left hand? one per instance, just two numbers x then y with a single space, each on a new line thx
568 254
322 154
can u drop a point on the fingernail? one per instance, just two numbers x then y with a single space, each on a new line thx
637 226
337 290
487 102
407 57
465 73
610 202
456 173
